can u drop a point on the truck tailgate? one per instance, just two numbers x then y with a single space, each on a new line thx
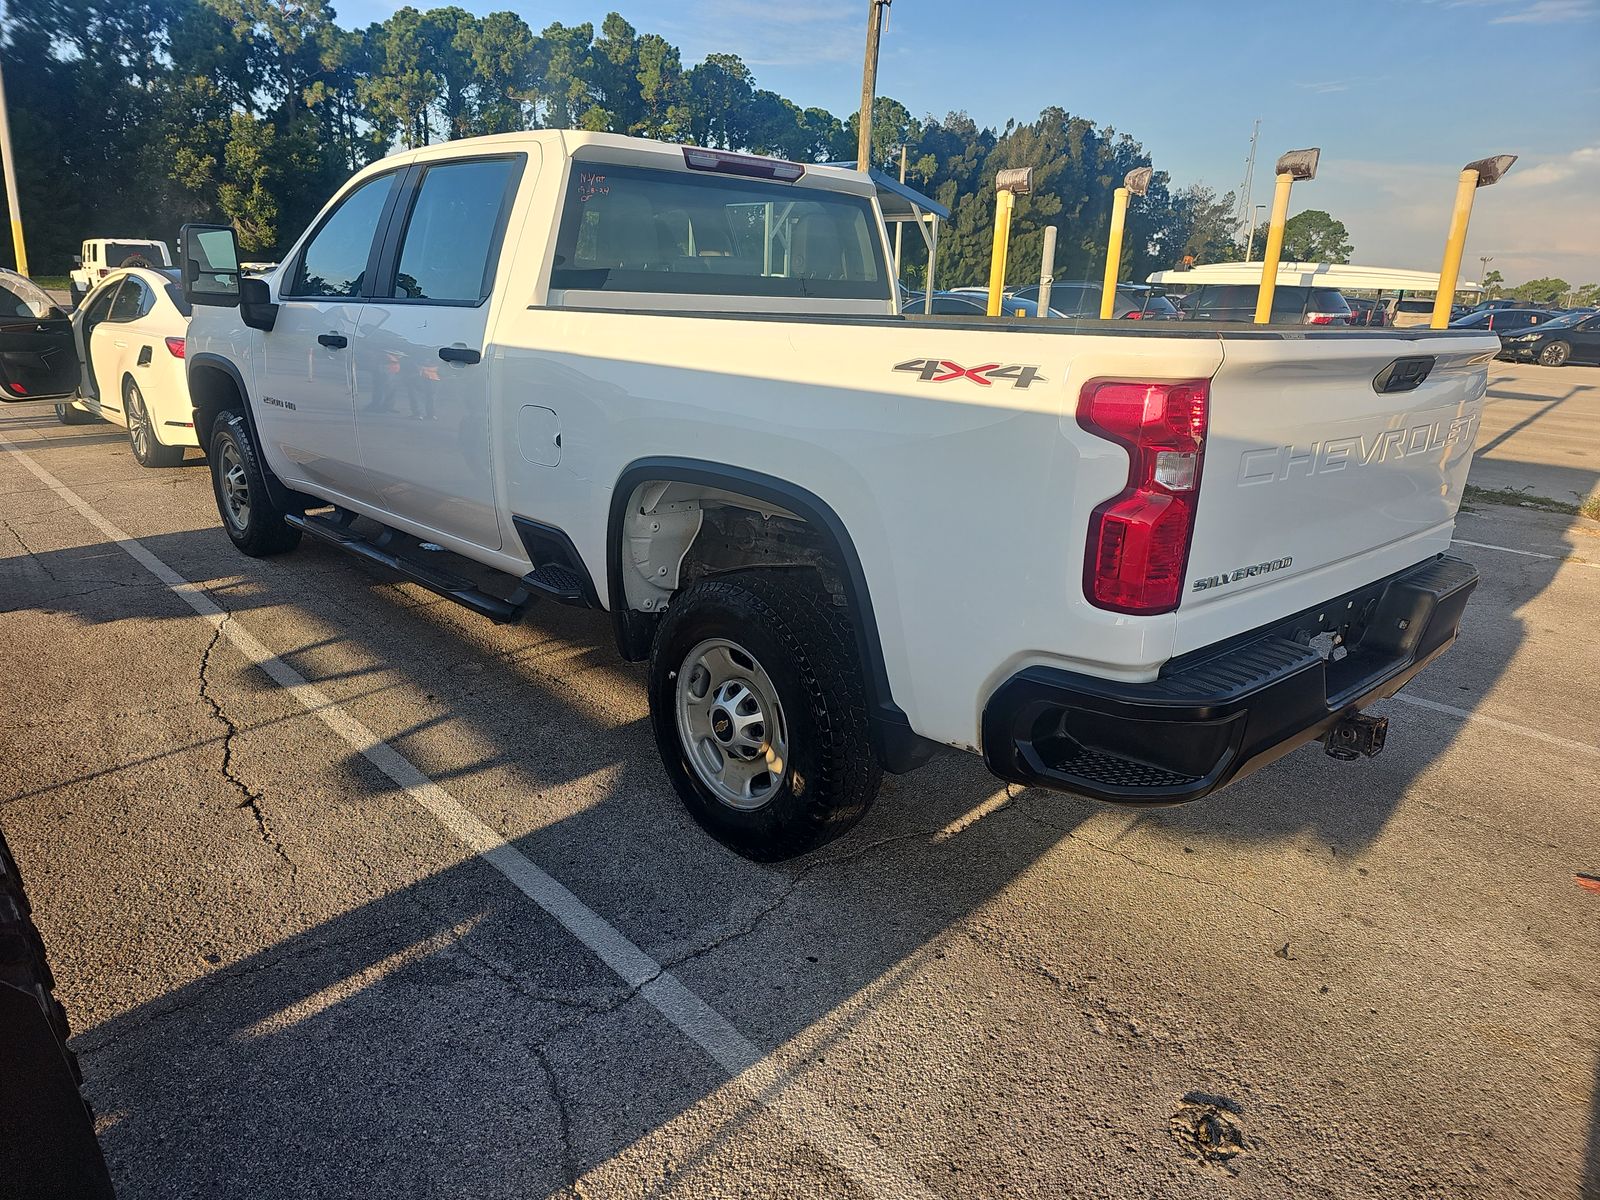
1315 481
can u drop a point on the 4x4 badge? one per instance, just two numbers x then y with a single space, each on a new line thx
942 370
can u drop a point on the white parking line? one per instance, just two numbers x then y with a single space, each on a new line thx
805 1112
1478 718
1577 562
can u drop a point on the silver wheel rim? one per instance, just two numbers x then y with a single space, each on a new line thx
235 487
731 724
1554 356
138 422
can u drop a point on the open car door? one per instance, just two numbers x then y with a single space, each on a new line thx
38 353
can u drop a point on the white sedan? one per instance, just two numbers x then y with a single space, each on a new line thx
130 334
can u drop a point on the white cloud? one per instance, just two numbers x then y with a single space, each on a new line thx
1538 221
1549 12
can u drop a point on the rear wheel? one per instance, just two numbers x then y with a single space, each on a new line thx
147 444
238 478
760 712
1555 354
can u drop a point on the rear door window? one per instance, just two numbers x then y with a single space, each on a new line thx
634 229
455 223
130 303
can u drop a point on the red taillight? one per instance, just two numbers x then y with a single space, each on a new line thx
1327 319
1139 539
175 347
1135 315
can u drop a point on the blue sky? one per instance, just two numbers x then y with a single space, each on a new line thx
1398 93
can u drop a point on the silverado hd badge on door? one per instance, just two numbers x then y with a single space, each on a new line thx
942 370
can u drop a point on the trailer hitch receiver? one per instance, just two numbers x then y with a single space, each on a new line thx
1357 736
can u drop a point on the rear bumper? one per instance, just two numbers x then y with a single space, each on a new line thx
1217 714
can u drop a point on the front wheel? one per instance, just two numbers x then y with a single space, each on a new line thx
147 445
760 712
67 414
1555 354
252 520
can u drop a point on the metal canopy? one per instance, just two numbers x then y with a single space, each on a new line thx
900 204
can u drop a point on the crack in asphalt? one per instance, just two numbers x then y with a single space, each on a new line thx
558 1097
250 798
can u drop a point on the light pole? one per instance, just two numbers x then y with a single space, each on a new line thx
1297 164
869 83
1483 269
1135 183
1250 238
1474 175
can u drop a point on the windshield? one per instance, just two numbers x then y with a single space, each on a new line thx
118 254
20 297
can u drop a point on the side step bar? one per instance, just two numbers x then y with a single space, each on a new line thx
337 531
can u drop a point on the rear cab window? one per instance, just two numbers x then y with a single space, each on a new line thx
641 229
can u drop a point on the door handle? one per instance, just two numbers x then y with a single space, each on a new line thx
333 341
459 354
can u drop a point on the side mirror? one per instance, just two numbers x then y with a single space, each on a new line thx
209 255
77 260
256 308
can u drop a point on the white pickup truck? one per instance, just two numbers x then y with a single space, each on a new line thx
1125 561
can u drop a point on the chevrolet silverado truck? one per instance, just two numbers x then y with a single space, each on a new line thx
1124 561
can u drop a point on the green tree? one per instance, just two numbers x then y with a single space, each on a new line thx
1310 236
1542 291
720 92
1588 294
1493 282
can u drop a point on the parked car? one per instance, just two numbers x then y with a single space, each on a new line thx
1407 312
1498 302
1569 338
1504 320
129 345
98 257
965 304
797 508
1291 304
1366 312
1080 298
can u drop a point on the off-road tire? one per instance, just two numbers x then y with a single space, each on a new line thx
68 415
1555 354
805 643
155 453
47 1142
263 531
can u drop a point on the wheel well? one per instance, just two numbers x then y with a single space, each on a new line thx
212 391
674 520
675 533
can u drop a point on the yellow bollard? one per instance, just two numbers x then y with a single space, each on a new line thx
1269 260
1473 176
1135 183
1119 214
1296 164
1003 202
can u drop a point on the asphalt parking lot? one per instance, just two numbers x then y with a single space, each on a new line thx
413 912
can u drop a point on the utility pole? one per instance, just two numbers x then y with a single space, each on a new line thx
1483 269
869 83
11 182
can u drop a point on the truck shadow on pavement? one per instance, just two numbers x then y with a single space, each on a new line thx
443 1035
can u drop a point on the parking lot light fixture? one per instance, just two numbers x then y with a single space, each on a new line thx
1474 175
1008 184
1135 183
1295 165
